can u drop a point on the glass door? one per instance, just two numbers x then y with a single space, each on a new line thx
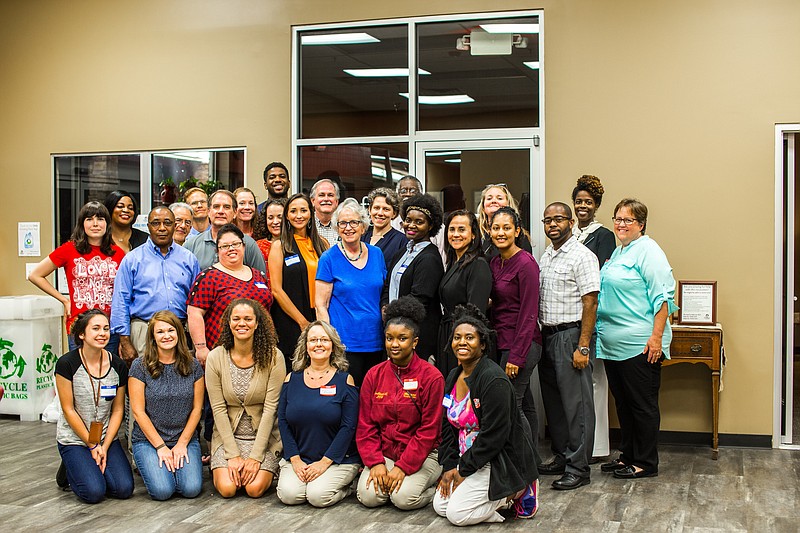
444 166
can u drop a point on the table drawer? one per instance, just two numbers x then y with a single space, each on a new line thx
692 345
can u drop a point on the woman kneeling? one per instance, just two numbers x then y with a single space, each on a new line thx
486 450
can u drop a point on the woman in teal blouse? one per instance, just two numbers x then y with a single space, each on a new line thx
637 293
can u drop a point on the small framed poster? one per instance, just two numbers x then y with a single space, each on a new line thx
698 302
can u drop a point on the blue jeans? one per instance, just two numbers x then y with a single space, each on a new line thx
161 484
112 346
85 478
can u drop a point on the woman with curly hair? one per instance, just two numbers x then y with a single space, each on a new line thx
166 389
418 270
493 197
384 206
244 375
486 451
586 198
317 416
400 417
267 226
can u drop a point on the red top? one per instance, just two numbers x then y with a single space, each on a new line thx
90 277
214 289
389 424
264 245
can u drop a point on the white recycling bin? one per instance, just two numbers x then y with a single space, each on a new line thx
30 344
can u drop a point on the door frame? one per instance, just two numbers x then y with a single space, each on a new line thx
784 323
535 147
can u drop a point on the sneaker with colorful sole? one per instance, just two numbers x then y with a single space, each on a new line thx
527 504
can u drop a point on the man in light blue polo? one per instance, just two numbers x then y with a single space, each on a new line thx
154 277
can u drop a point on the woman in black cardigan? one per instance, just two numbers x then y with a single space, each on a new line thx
467 279
486 450
417 270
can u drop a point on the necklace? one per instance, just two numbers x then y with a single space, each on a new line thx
360 252
320 376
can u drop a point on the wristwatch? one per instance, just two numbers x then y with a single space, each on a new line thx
584 350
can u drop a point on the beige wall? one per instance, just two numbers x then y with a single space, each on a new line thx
672 102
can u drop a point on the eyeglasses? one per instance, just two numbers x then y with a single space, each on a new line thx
319 340
624 221
408 190
156 223
231 246
183 222
199 202
557 219
352 223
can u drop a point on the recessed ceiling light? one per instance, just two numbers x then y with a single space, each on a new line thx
441 154
338 38
382 72
531 64
452 161
510 28
383 158
443 99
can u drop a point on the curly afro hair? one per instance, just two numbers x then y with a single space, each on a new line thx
470 314
590 184
429 206
405 311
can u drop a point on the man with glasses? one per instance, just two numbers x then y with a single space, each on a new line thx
198 200
183 221
153 277
569 280
204 245
406 188
325 199
276 182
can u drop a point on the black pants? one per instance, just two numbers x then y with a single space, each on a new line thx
361 362
635 383
522 388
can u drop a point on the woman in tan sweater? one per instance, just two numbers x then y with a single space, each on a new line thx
244 375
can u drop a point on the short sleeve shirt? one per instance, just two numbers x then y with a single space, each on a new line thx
168 399
90 277
214 289
114 376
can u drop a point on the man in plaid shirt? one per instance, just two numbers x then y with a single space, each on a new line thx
569 283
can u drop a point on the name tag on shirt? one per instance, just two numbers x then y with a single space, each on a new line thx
447 402
410 384
292 260
327 390
402 269
108 392
261 285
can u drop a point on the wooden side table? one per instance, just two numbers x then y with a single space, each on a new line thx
703 345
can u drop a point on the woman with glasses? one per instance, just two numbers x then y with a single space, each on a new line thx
350 278
384 206
493 197
317 416
586 198
637 294
293 271
218 285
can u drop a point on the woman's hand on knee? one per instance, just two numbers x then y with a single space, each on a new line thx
449 481
377 476
394 480
249 470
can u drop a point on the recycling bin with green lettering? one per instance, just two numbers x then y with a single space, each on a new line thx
30 343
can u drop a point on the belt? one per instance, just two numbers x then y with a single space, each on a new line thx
549 330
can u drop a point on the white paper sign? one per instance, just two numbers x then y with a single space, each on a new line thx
29 239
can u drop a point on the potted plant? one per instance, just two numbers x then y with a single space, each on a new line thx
168 195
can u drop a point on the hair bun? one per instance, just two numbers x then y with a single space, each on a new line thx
591 184
406 307
470 310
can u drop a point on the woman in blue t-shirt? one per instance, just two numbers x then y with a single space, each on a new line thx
350 278
317 417
166 390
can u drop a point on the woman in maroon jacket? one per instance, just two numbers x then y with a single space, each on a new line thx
400 417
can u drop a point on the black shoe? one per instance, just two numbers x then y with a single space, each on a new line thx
629 472
552 468
609 467
61 477
570 481
595 460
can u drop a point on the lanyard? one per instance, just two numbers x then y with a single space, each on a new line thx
95 394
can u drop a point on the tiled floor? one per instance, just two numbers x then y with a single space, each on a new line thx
745 490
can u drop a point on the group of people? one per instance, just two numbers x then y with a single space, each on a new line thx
312 340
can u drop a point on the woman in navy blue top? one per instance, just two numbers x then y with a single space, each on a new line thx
384 206
317 417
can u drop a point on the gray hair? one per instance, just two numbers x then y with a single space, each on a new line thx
325 180
301 359
352 205
410 177
180 205
392 199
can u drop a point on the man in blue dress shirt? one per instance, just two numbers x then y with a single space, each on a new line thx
153 277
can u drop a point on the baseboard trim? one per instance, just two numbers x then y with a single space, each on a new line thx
698 438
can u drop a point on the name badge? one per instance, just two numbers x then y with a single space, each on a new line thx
447 402
402 269
108 392
327 390
261 285
292 260
410 384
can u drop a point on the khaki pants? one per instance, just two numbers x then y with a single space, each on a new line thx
416 492
329 488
